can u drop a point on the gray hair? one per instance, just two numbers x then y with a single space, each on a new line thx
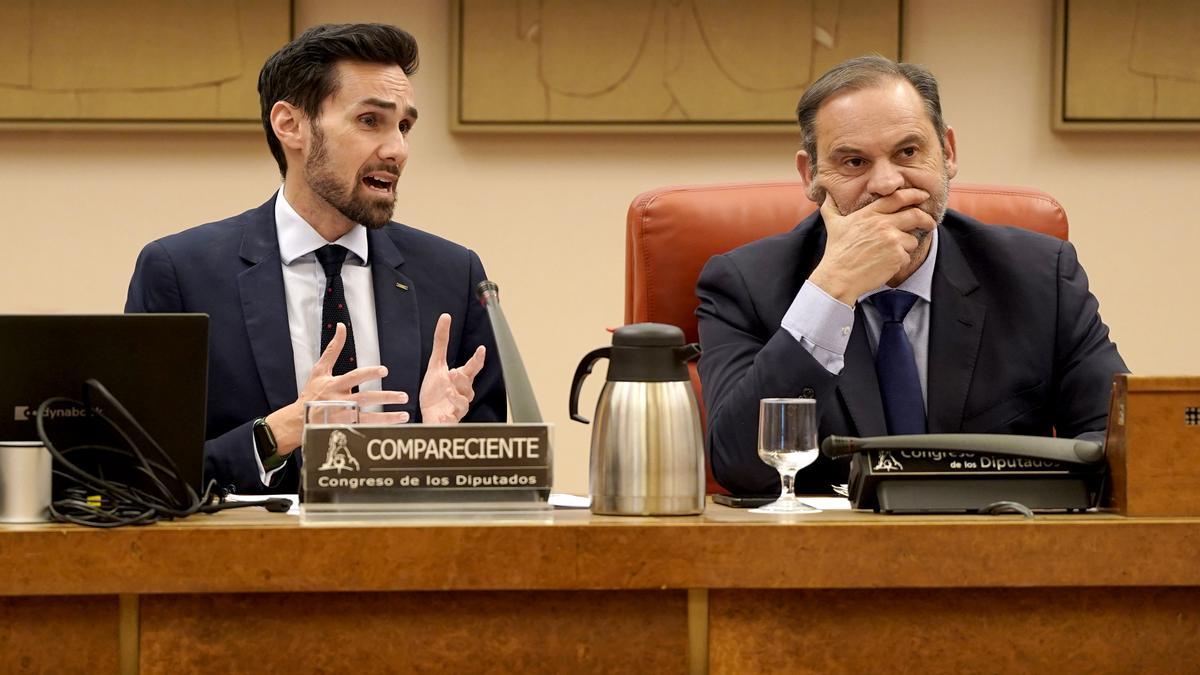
861 73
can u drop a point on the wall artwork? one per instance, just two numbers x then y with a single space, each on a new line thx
85 63
670 65
1128 64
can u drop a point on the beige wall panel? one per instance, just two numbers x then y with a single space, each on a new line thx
1099 82
1176 98
1166 40
1132 60
122 60
647 62
15 18
504 87
850 27
190 103
118 45
43 105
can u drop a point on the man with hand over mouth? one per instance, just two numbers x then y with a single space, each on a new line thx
897 315
316 294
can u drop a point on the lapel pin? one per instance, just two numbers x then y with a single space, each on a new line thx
401 286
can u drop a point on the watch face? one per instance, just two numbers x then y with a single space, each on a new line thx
264 440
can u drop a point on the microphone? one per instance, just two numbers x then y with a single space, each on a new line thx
521 401
1069 450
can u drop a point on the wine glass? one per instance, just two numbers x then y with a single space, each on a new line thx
787 440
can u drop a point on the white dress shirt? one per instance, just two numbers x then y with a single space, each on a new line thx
304 288
823 324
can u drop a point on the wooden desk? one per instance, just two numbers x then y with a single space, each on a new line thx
728 591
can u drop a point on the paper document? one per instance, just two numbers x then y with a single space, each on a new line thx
827 503
562 500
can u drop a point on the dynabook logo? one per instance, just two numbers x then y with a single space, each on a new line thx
338 457
26 413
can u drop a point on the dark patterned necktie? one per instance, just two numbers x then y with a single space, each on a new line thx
334 309
896 366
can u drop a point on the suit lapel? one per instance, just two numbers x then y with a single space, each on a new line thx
398 317
858 385
955 330
264 307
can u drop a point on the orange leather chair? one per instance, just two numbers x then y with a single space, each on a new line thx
672 231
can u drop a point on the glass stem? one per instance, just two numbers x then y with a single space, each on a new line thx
788 492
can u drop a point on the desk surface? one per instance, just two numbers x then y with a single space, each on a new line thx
723 548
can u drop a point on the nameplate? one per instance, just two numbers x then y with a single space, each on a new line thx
459 464
956 463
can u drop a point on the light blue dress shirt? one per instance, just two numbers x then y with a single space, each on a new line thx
823 325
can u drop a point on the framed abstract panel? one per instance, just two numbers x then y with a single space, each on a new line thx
144 63
1127 65
653 65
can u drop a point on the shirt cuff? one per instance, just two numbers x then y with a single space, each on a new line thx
821 324
264 475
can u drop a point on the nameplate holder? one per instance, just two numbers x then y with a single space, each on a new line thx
374 472
1153 445
915 480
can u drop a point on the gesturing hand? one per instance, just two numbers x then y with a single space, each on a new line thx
446 393
287 423
867 247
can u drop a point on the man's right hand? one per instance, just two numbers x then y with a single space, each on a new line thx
867 247
287 423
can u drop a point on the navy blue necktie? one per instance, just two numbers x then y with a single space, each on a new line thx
333 307
896 367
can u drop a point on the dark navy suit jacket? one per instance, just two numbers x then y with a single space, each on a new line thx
231 271
1016 345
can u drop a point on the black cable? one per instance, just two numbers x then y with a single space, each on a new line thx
97 501
1006 508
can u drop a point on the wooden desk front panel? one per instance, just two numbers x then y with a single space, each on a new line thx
595 594
931 631
420 632
40 634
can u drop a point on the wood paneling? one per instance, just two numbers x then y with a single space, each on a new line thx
481 632
58 635
930 631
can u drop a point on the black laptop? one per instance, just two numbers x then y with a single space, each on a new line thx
155 365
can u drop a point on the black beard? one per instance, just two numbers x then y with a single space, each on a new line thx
371 213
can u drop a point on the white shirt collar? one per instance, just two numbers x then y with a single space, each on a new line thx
297 238
920 283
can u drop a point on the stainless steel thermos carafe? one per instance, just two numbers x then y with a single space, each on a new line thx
647 455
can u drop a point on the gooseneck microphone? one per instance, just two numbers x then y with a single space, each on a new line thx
521 400
1039 447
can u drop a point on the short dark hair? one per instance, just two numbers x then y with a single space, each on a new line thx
303 71
860 73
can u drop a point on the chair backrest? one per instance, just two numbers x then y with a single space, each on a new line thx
672 231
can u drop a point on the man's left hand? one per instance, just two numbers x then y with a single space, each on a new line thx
446 393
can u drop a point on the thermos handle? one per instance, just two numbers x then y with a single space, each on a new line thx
584 369
687 352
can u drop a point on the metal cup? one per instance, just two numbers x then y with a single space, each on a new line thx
25 482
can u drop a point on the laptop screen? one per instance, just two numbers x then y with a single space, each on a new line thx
156 365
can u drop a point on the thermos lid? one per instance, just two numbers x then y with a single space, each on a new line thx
648 335
650 352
